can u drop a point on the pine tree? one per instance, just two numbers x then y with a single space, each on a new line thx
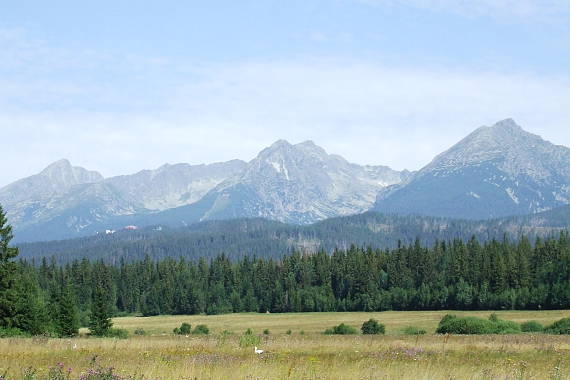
8 293
67 319
100 319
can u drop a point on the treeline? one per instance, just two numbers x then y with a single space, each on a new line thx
49 298
449 275
264 238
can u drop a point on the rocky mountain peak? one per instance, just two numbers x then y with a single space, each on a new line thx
508 123
504 144
496 171
64 175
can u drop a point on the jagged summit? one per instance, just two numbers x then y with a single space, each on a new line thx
508 123
298 183
63 174
57 165
495 171
504 143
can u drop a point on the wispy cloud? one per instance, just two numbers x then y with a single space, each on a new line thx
119 114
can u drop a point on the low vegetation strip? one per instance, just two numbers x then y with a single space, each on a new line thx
295 356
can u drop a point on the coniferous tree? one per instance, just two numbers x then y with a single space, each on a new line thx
67 318
8 268
100 319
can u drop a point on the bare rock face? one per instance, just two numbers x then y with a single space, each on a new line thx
298 184
495 171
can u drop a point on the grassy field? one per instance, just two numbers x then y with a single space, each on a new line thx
304 354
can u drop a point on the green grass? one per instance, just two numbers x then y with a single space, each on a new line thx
222 355
316 323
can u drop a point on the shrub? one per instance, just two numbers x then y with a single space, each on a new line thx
288 332
506 327
201 330
11 332
266 332
446 318
451 324
341 329
466 325
184 329
561 326
117 333
413 330
140 331
373 327
531 326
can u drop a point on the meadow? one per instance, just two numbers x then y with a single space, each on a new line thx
295 348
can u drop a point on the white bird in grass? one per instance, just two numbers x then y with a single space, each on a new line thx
259 352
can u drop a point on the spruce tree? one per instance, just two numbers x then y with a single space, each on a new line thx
67 319
8 293
100 320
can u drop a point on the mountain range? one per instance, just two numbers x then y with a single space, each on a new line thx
494 172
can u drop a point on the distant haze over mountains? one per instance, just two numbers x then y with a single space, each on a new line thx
494 172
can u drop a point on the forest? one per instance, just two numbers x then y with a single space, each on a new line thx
44 297
238 238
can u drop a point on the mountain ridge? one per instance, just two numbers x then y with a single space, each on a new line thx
298 183
495 171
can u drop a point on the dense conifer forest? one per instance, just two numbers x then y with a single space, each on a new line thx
238 238
39 297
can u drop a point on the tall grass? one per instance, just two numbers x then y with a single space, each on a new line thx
310 356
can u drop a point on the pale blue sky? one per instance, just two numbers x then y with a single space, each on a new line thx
122 87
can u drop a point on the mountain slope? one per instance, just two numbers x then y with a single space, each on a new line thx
28 198
297 184
265 238
495 171
65 201
290 183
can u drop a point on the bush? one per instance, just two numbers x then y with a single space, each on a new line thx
184 329
117 333
341 329
506 327
266 332
288 332
140 332
11 332
413 330
561 326
373 327
451 324
201 330
531 326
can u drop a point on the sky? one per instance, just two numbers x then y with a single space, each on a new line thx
121 86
